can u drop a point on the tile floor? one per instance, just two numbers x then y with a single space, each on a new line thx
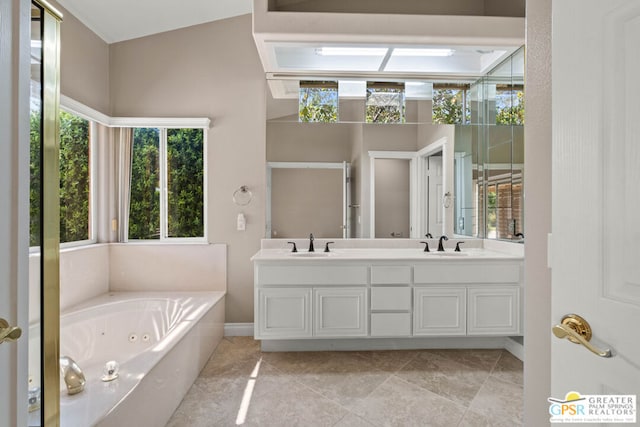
240 385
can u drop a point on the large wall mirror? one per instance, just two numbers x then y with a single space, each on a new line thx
357 159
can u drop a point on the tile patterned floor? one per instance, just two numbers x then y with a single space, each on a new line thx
351 389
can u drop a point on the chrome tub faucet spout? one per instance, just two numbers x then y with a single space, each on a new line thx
72 375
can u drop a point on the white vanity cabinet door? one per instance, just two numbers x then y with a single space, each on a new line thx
340 312
494 311
284 313
439 311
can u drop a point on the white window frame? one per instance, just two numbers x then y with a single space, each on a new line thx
96 117
164 191
93 177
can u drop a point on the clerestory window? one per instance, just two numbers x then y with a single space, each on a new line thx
385 102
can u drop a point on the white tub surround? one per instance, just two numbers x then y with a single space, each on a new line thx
161 341
397 297
167 267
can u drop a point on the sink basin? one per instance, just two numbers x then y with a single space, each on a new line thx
310 254
447 254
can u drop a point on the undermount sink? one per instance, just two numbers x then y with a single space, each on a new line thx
452 254
310 254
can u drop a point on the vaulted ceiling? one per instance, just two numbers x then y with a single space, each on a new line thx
118 20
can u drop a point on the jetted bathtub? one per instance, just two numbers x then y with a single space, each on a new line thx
161 342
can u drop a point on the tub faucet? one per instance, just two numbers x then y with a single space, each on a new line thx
72 374
440 247
311 249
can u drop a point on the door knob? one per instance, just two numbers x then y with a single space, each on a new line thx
9 333
578 331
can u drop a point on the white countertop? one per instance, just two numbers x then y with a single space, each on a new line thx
377 254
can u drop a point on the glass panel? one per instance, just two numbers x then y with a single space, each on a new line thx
185 176
489 160
35 124
144 210
35 120
74 178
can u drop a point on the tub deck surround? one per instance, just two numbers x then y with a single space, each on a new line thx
387 294
161 340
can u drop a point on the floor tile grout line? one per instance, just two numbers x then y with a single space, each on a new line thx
308 387
430 391
495 365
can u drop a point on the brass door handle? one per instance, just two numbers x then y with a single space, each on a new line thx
9 333
578 331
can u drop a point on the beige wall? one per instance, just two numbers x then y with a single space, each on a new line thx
84 64
306 201
210 70
537 134
308 142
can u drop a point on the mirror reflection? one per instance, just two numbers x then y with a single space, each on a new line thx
395 159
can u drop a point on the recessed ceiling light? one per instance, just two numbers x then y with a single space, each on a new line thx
351 51
422 52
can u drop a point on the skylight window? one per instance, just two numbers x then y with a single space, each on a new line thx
352 51
422 52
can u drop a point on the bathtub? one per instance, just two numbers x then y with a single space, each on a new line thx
161 342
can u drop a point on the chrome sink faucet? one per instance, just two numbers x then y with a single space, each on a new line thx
311 249
440 246
72 374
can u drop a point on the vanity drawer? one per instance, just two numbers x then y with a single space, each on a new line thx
390 298
455 272
390 275
390 324
325 274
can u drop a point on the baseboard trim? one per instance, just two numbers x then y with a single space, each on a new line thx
514 347
238 329
365 344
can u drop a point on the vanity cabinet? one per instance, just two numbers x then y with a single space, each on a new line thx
494 310
283 313
333 298
340 312
440 311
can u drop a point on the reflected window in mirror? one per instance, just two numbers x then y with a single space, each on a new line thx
385 102
451 104
318 101
510 104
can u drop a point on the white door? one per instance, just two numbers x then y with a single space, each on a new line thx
14 161
596 193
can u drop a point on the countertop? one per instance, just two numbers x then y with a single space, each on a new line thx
380 254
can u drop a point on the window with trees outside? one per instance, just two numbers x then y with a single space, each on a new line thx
75 179
385 102
510 104
318 101
167 184
451 104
